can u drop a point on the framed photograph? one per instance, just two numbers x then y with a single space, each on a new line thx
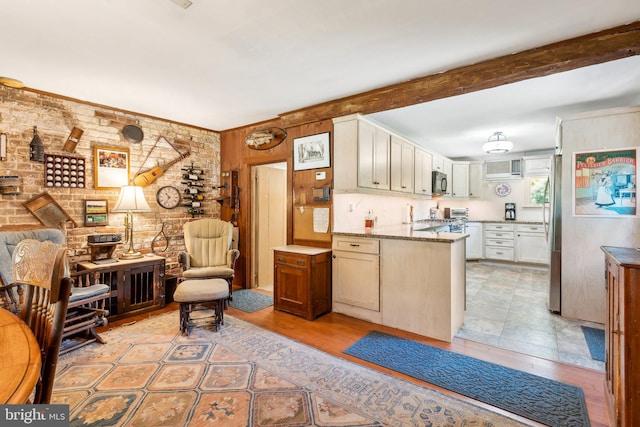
311 152
604 183
96 212
110 167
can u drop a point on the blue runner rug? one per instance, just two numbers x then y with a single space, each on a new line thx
250 301
540 399
595 341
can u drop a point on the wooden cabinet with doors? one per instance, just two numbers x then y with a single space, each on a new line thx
137 285
622 335
302 280
402 153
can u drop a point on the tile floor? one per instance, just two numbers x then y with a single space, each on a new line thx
507 308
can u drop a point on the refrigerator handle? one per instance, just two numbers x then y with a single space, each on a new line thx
545 221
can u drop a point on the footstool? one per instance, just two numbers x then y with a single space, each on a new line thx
201 294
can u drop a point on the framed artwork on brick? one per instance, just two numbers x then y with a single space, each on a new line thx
110 167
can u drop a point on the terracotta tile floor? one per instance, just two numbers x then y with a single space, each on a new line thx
507 308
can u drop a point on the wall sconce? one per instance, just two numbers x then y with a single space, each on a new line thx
3 146
266 138
131 200
36 148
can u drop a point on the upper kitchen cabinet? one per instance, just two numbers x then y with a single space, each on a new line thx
475 180
460 179
422 172
437 163
361 155
402 169
537 165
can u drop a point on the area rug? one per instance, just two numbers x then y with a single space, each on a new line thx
549 402
250 301
595 342
148 374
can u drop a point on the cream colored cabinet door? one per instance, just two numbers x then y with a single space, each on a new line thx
422 172
402 154
373 157
459 180
531 244
474 243
475 180
356 279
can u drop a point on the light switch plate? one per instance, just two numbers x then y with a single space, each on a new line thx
321 175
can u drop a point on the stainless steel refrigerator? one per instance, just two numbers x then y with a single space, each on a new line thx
553 228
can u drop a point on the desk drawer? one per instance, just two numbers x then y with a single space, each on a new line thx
291 259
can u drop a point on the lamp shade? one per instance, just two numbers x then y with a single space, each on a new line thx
497 144
131 199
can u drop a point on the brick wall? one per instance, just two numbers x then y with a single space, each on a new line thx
20 110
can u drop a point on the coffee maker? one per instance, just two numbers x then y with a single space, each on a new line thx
510 211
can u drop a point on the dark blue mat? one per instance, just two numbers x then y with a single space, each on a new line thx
250 301
595 341
539 399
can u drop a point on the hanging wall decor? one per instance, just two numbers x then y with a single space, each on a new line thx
110 167
64 171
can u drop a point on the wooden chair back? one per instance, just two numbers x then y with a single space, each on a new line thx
40 296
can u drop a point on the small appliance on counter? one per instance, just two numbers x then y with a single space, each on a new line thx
510 211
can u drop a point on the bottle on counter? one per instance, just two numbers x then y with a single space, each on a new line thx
368 220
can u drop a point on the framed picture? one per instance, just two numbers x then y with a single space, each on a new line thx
604 183
96 212
311 152
110 167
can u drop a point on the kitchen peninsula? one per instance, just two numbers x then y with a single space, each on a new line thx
405 276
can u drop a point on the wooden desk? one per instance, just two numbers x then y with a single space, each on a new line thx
19 359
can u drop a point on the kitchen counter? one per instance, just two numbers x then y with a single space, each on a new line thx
504 221
407 232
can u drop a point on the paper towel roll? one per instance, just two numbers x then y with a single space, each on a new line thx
406 214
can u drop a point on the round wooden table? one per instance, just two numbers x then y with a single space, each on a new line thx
19 359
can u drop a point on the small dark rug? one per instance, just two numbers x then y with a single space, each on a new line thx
250 301
547 401
595 341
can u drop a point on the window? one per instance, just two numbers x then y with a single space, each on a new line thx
534 191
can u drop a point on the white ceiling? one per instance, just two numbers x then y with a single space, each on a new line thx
221 64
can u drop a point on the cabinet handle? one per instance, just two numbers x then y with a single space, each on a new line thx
354 245
300 262
499 242
281 259
500 253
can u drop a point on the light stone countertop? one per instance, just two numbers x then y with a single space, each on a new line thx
404 232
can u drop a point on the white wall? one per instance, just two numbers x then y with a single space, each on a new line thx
389 209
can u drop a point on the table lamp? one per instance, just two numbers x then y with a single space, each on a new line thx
131 200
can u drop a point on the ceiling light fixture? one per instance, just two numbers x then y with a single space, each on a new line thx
497 144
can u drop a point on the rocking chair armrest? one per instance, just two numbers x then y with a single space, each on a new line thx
232 257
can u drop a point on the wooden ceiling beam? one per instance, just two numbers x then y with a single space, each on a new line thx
595 48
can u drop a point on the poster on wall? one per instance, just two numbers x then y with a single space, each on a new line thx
111 167
311 152
604 183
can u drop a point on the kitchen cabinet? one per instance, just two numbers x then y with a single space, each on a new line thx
302 280
622 335
422 172
437 163
137 285
402 165
474 241
373 156
499 241
531 244
356 277
447 167
537 165
475 180
459 180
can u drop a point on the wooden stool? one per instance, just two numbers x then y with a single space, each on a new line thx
204 294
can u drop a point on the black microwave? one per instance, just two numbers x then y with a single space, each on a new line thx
439 183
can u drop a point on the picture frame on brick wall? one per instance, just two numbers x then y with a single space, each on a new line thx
110 167
96 212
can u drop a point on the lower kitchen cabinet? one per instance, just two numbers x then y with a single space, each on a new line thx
137 285
622 335
499 241
356 277
531 244
302 280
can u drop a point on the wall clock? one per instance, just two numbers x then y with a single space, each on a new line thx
168 197
503 190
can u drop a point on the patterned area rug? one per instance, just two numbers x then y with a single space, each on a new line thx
547 401
595 342
250 301
148 374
